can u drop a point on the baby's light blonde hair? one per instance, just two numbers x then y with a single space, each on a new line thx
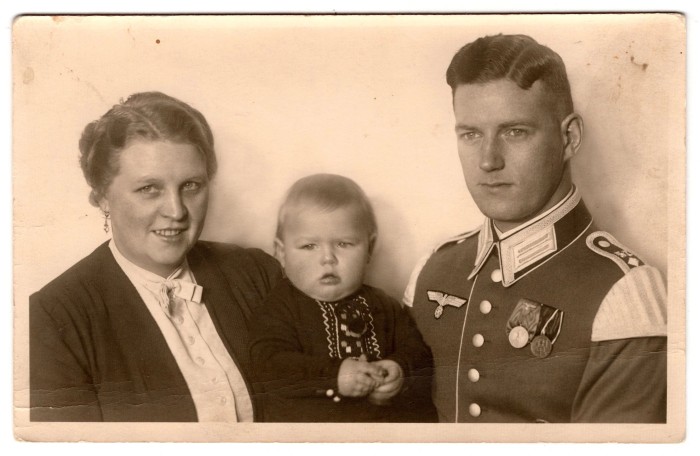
328 192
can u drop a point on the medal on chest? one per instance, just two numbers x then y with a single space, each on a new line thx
536 324
444 299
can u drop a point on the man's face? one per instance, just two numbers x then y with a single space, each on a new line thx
511 146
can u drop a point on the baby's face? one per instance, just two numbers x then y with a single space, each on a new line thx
324 254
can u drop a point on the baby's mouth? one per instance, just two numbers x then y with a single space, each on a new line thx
330 279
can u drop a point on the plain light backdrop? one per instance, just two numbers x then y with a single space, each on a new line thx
360 96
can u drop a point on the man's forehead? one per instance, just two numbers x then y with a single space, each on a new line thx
502 98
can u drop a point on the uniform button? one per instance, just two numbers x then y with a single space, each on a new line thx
200 361
485 307
473 375
478 340
474 410
496 275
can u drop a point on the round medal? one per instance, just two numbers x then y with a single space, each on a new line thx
438 311
541 346
518 337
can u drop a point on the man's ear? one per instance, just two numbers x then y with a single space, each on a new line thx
371 243
572 134
278 250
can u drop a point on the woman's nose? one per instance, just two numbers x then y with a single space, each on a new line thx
491 156
174 207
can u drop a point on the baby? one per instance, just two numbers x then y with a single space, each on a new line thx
324 346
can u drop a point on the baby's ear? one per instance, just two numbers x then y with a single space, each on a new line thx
278 250
372 242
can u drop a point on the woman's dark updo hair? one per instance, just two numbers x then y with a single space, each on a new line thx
152 116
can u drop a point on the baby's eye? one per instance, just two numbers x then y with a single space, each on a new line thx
308 246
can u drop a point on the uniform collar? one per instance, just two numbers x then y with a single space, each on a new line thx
536 241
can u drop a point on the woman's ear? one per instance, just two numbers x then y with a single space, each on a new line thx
278 250
572 134
103 204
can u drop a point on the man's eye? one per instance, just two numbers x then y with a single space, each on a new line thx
469 135
516 132
190 186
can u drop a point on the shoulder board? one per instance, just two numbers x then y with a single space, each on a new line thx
606 245
457 239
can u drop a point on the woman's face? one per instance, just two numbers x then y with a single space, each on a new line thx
157 203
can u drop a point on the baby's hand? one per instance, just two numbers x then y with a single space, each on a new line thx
357 378
391 386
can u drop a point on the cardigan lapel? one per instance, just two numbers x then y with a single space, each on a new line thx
224 306
151 365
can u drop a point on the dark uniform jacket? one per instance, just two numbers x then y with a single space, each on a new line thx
97 354
601 309
298 344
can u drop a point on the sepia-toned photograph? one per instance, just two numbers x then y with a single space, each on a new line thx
281 228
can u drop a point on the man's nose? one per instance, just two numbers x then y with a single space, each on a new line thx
491 154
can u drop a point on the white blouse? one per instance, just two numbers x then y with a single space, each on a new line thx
215 383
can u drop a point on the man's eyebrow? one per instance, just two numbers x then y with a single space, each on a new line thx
515 123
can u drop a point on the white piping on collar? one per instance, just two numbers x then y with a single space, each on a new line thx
539 231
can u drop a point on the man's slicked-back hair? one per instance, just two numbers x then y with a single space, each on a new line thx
517 58
327 192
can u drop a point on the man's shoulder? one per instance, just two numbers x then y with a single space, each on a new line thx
635 306
604 245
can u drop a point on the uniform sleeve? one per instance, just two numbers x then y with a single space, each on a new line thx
624 382
625 377
61 388
281 367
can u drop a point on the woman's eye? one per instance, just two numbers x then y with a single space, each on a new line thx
345 244
147 189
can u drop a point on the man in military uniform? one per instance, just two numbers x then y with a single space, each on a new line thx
536 316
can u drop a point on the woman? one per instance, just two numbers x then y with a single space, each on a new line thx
153 325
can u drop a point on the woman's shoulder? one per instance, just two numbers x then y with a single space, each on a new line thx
88 270
225 250
234 259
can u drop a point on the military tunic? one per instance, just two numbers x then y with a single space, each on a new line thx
601 309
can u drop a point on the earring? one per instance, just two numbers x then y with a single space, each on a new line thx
106 225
